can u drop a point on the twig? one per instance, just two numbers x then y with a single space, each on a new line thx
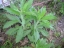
36 4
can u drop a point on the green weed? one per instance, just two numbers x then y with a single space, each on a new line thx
32 22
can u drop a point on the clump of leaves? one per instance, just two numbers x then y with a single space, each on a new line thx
59 6
62 8
3 19
32 22
26 47
57 34
7 44
42 43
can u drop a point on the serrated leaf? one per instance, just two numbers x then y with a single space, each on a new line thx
22 2
29 4
14 7
42 43
41 13
9 23
30 14
31 38
33 11
26 32
49 16
23 20
44 33
36 36
11 31
19 35
47 24
11 11
11 17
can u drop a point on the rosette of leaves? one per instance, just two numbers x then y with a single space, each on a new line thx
32 22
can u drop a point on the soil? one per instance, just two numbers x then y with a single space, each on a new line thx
60 28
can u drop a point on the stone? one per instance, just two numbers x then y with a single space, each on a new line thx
1 40
4 3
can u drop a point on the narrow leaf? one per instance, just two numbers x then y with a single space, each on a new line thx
47 24
27 32
13 7
11 31
41 13
11 17
44 33
22 2
27 5
11 11
31 38
9 23
49 16
36 36
23 20
19 35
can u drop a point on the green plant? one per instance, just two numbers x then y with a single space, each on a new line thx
3 19
62 8
29 21
42 43
26 47
59 4
7 44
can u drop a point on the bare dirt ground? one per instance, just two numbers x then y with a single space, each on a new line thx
60 28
